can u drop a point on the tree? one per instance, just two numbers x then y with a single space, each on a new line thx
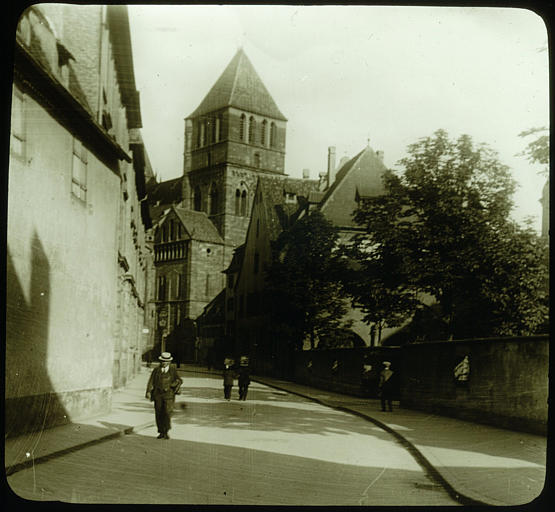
537 151
304 296
443 230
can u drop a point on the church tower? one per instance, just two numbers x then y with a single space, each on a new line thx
236 134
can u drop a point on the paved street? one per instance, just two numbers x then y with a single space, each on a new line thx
274 449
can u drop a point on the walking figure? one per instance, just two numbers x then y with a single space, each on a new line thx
386 386
228 375
163 385
244 378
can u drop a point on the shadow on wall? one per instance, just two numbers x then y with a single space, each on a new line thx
30 401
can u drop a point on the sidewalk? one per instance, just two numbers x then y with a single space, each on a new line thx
476 464
129 411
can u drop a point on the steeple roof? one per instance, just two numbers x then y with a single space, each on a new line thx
240 86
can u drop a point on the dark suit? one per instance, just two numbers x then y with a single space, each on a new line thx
162 388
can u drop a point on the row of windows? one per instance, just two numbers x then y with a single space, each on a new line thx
169 252
248 131
171 230
79 159
212 206
208 130
170 287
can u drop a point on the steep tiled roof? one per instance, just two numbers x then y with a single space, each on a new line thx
162 195
199 226
239 86
347 166
280 214
361 175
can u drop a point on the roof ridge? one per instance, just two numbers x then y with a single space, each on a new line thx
240 53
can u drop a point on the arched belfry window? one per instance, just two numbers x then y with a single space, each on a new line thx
242 123
218 129
263 131
237 202
202 132
252 129
244 203
273 134
197 199
213 199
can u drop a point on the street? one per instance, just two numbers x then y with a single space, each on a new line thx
273 449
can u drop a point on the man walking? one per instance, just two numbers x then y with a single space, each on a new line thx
228 375
244 378
386 386
163 385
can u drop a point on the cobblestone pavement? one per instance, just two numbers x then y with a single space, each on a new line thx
273 449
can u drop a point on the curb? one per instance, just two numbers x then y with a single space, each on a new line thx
423 462
14 468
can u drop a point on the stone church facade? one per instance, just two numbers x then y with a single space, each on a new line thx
236 134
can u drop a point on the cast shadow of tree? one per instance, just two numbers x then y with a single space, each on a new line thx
30 403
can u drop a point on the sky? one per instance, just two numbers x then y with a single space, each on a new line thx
349 76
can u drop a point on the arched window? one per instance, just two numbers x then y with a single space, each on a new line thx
252 129
202 132
209 131
263 132
164 233
197 199
237 202
257 159
217 129
213 199
242 123
273 135
244 203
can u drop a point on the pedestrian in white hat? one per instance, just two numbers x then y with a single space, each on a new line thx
164 383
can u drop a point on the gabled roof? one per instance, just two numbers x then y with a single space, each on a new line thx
239 86
198 226
361 175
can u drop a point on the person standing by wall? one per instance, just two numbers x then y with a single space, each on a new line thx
386 386
244 378
228 375
164 383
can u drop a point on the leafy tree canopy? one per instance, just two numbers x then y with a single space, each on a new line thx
537 151
303 293
443 230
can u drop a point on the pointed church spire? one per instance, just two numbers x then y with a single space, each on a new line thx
240 86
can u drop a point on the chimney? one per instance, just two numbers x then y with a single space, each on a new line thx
379 154
322 181
331 165
306 174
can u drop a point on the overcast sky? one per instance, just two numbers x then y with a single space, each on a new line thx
344 74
